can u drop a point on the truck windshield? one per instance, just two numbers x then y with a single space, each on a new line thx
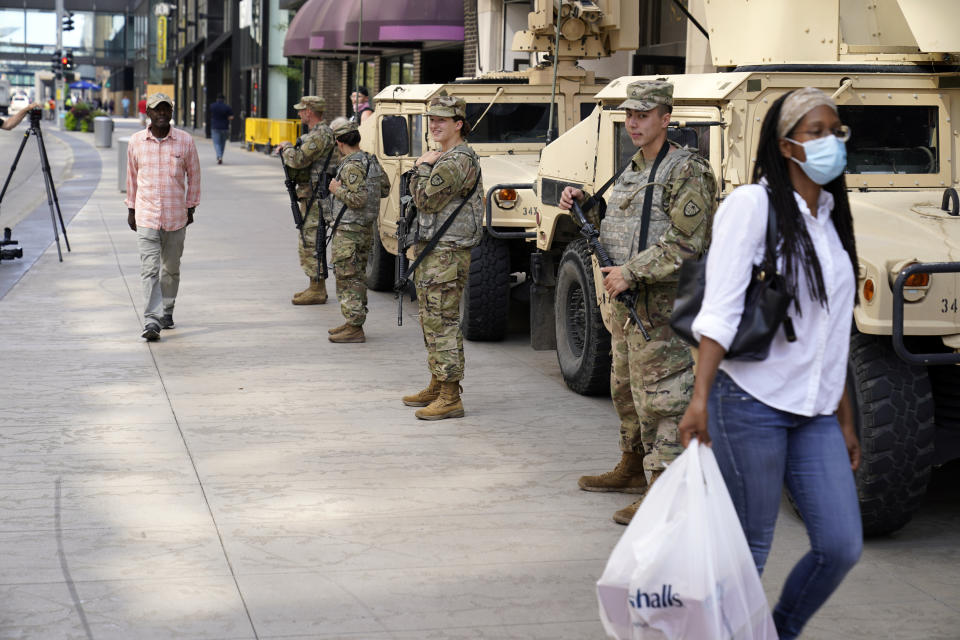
889 139
693 136
511 122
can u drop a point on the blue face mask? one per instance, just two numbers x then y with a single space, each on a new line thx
826 158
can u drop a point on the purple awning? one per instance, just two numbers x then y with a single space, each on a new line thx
329 27
396 21
297 41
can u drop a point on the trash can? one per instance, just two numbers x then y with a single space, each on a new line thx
103 131
122 144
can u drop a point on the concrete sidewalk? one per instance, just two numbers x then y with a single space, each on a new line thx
245 478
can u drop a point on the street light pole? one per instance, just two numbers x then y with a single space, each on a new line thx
58 77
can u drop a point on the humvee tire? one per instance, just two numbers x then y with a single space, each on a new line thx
380 265
893 408
486 299
583 343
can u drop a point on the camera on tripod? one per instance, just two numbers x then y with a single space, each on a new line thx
36 115
9 254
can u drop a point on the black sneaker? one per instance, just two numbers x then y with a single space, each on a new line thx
167 322
151 333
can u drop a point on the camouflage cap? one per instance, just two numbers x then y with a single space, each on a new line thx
314 103
646 95
155 99
447 107
343 128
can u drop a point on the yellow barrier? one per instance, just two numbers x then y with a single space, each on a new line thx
284 131
257 131
267 132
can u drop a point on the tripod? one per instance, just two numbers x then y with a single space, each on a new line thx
52 199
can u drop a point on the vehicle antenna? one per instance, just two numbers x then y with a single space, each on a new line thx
553 91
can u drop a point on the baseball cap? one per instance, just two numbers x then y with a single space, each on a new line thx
447 107
644 95
155 99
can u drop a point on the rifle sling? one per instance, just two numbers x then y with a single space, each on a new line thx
443 229
321 183
648 195
590 202
336 222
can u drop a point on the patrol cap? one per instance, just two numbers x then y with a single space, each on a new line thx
447 107
649 94
343 128
314 103
156 99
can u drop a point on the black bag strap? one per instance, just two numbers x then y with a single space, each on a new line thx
648 195
770 250
443 228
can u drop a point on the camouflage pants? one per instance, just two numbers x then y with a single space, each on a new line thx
351 246
651 384
440 280
308 240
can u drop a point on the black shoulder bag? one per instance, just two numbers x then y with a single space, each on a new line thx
765 303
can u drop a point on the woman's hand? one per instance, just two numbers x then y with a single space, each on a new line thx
429 157
694 424
853 446
849 429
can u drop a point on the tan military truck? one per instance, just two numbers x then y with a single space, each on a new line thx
511 120
891 68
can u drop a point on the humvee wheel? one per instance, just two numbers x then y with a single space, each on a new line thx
380 265
486 299
893 408
583 343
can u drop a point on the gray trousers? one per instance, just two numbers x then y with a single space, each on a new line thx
160 253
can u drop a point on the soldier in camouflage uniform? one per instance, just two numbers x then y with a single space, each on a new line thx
651 382
313 150
445 181
355 195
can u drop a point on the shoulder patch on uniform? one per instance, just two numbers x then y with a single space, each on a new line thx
354 177
436 180
691 209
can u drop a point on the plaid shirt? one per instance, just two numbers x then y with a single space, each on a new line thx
163 179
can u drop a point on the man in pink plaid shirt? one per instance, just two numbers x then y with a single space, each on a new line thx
163 190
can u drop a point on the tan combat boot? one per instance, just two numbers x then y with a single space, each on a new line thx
352 333
316 293
625 515
447 404
338 328
426 396
627 477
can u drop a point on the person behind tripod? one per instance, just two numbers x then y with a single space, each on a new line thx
17 118
163 189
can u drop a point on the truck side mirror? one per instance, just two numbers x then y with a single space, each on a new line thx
393 134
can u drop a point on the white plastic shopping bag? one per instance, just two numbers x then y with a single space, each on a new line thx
682 570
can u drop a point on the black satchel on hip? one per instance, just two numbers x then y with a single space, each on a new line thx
764 309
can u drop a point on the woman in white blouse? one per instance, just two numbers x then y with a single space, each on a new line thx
788 417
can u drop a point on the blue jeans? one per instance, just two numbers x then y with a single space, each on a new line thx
219 140
757 448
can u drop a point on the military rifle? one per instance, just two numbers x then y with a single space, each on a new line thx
592 235
320 193
408 211
291 186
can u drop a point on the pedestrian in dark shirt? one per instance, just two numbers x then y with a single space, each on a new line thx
220 116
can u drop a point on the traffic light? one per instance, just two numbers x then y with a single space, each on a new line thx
68 21
55 62
66 61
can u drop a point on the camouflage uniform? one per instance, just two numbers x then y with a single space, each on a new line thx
307 158
363 183
651 382
440 279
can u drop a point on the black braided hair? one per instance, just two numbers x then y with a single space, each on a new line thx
795 244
